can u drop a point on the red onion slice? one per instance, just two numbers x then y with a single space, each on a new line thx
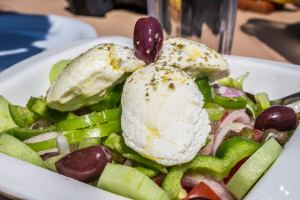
218 189
236 116
227 91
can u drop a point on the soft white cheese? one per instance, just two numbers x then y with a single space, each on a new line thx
88 77
162 115
196 59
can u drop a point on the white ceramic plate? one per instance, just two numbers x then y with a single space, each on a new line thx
30 78
23 35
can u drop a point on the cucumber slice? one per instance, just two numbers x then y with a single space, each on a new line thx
249 173
50 162
5 118
13 147
130 182
87 142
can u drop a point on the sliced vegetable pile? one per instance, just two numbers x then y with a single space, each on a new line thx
246 135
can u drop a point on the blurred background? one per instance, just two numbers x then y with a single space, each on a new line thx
267 29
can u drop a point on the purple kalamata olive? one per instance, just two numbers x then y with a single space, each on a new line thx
147 39
85 164
277 117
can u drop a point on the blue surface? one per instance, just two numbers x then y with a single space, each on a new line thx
18 32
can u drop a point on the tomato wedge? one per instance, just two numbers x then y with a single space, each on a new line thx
234 169
202 190
257 134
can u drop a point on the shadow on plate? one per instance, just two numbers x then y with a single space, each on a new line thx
18 34
283 38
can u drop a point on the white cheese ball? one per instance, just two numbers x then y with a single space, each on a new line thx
88 77
162 115
196 59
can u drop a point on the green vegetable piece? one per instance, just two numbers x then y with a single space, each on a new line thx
57 69
13 147
5 118
148 172
39 106
24 133
262 101
251 107
50 162
232 103
238 82
130 182
89 142
249 173
216 167
22 116
116 143
73 137
227 81
89 120
215 112
111 99
206 89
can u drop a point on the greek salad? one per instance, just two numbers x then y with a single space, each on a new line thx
163 120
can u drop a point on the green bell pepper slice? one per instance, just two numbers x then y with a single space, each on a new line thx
101 130
206 89
39 106
22 116
232 103
24 133
89 120
217 167
111 99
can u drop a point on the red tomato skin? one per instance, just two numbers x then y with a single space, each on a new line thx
202 190
257 134
234 169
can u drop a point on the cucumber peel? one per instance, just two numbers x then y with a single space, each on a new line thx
130 182
89 120
249 173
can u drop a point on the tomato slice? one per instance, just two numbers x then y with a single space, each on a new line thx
257 134
234 169
202 190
